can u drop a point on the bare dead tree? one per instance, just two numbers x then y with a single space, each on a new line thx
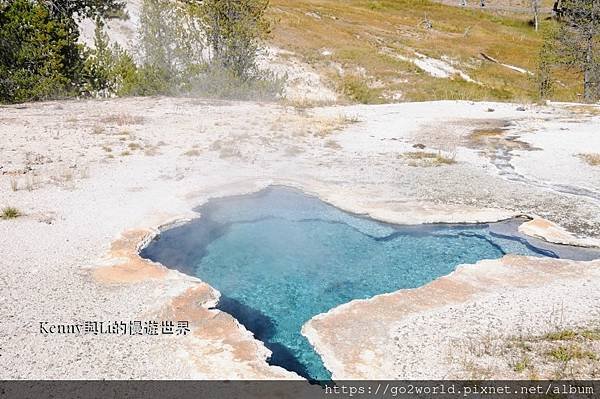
535 6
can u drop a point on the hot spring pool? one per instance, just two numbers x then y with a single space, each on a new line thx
280 257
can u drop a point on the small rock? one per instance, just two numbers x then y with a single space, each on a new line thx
490 110
419 146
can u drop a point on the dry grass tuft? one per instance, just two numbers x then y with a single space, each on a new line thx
31 182
84 172
566 353
590 159
66 175
560 354
10 212
588 110
226 149
305 103
230 152
324 126
98 129
14 184
123 119
562 335
151 151
333 144
192 153
419 155
293 151
425 159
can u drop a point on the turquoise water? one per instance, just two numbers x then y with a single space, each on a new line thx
280 257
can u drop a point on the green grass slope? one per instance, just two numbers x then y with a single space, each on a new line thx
364 48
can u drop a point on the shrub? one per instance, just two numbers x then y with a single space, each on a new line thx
10 213
171 47
356 89
224 83
590 159
183 51
234 30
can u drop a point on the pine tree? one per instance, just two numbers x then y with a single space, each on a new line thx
578 42
39 54
109 70
40 57
82 8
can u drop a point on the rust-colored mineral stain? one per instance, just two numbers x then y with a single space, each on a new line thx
402 303
132 268
540 223
336 334
132 271
207 324
211 324
190 305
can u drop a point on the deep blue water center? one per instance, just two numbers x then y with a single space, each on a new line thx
280 257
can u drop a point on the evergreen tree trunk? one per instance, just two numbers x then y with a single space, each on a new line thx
589 70
588 73
576 43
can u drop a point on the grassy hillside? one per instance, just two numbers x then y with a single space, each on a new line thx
523 6
365 48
